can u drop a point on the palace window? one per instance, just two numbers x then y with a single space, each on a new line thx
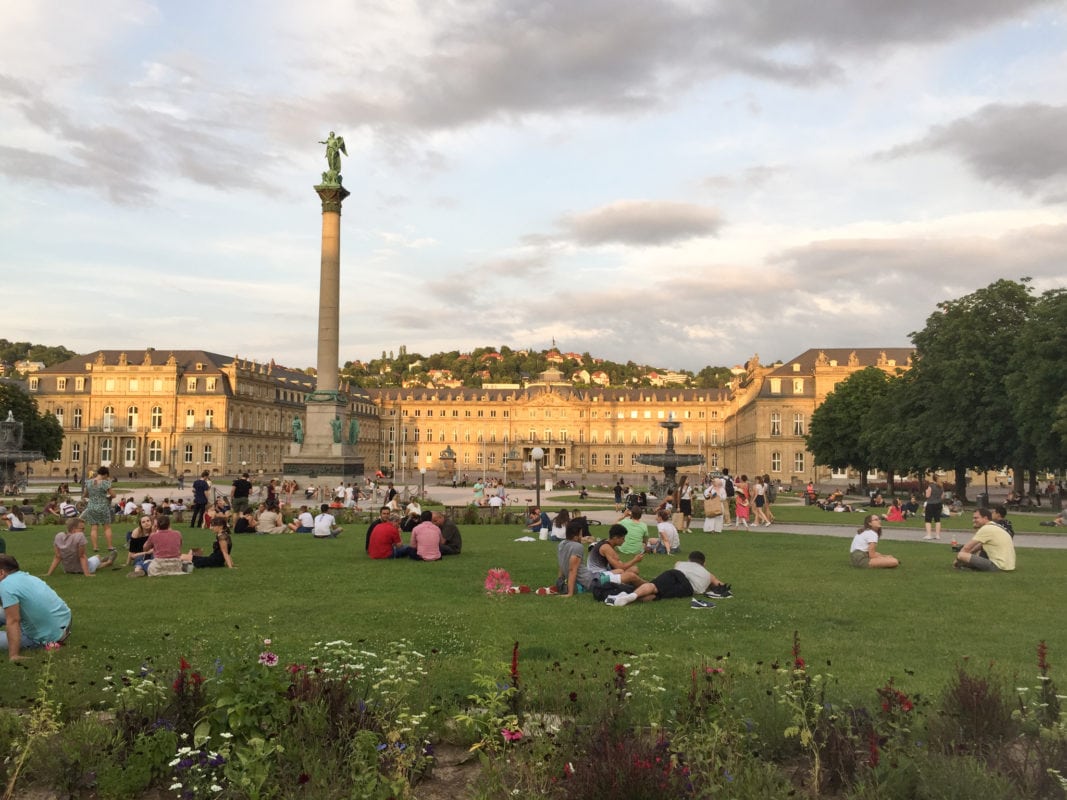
798 386
209 453
190 384
798 424
79 384
187 454
798 461
131 417
77 423
776 424
109 417
190 419
61 384
776 461
76 451
106 451
129 454
209 419
157 418
592 459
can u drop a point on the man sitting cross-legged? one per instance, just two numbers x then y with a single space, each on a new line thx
686 579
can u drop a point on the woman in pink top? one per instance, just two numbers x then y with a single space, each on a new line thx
163 551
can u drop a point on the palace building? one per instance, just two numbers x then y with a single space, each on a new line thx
179 412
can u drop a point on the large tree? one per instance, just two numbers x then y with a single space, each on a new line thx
889 429
835 435
962 363
1038 383
40 431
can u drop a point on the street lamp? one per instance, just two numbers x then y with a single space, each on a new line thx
537 454
422 476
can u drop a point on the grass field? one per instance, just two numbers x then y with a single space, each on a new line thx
914 623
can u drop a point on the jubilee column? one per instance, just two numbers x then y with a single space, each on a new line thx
320 447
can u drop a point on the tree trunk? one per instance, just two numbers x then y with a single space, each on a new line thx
961 482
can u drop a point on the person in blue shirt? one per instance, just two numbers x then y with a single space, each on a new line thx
34 615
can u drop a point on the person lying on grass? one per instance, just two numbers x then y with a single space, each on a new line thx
686 579
864 551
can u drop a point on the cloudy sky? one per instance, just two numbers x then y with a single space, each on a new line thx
679 183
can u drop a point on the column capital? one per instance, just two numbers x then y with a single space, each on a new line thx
332 195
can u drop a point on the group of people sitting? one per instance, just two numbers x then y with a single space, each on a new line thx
991 549
432 538
611 568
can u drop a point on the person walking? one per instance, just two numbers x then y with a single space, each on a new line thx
200 489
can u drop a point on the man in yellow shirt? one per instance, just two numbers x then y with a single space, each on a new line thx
990 550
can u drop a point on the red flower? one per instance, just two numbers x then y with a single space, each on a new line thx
183 665
196 678
798 663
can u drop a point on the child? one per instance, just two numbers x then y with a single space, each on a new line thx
742 509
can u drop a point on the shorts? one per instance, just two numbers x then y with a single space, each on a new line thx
686 507
239 504
860 558
672 584
761 501
932 512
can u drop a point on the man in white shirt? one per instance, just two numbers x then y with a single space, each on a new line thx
686 579
325 526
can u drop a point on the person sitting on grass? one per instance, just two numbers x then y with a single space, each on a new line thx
604 560
667 542
325 524
1000 517
537 520
384 541
572 569
864 551
685 579
246 522
990 550
163 552
426 539
896 512
636 532
15 521
221 549
303 522
136 539
34 615
451 539
1054 523
559 525
69 550
270 521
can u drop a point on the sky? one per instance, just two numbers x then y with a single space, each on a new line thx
675 183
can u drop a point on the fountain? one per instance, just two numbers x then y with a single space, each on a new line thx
11 452
669 460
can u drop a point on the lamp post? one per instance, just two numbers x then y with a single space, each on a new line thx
422 477
537 454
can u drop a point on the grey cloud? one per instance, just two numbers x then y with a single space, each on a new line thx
1023 147
641 222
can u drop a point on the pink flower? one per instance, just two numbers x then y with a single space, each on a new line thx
266 642
268 659
53 646
510 735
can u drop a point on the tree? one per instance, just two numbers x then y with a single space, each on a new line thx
40 431
961 368
1037 385
835 435
889 431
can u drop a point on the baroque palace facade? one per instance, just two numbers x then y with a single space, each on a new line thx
179 412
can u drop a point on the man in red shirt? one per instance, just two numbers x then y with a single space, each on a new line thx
385 541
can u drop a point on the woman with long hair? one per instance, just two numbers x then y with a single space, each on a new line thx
98 509
864 552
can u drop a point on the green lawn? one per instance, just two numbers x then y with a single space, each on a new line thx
914 623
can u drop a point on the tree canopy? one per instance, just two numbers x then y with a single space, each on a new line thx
40 431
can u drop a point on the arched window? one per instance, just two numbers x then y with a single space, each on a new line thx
131 417
155 453
106 451
109 418
157 418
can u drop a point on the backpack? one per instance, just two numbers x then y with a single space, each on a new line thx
602 591
729 486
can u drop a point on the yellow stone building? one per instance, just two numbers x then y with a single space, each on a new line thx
179 412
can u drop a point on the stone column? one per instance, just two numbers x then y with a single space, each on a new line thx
329 288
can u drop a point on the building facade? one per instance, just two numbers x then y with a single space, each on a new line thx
183 411
177 412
